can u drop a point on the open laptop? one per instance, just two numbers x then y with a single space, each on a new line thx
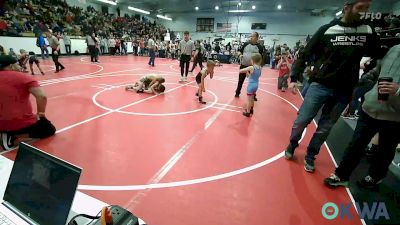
40 190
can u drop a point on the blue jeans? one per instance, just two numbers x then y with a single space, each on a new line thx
306 85
358 93
152 57
333 104
44 49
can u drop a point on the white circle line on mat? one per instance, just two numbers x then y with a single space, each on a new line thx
94 99
193 181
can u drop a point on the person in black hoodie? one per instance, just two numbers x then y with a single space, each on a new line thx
338 48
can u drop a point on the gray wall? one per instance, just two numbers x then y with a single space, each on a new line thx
287 27
396 8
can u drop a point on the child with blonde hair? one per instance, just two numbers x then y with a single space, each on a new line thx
253 73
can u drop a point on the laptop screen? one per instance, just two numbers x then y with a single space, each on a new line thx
41 186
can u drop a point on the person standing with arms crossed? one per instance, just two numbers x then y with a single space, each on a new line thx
92 42
151 45
338 48
186 48
246 52
55 51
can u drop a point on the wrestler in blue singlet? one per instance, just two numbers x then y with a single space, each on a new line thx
252 87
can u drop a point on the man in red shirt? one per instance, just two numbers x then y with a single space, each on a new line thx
17 121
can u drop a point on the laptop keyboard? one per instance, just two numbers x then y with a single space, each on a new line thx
4 220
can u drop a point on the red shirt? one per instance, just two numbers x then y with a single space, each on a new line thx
3 25
15 106
284 69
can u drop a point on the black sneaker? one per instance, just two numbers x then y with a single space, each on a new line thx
289 152
370 151
246 114
197 93
201 101
140 91
251 110
334 181
7 141
309 165
369 183
255 98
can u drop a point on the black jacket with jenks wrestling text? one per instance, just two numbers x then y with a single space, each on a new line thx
338 49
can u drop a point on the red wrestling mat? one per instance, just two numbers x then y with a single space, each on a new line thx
173 161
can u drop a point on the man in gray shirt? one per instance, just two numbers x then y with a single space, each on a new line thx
92 42
55 50
186 48
151 45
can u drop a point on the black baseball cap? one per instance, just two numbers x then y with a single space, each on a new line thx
6 60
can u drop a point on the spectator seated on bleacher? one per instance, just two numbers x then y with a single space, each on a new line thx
36 16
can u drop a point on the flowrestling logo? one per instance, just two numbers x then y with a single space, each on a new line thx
349 40
374 211
370 16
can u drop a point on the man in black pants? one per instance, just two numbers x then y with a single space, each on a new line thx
186 48
247 50
338 48
55 51
92 41
377 116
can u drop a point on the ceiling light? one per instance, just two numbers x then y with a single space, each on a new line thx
138 10
253 7
279 6
163 17
196 8
216 7
239 4
339 13
108 2
239 11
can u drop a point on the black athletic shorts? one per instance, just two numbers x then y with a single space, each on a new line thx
198 78
34 61
43 128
